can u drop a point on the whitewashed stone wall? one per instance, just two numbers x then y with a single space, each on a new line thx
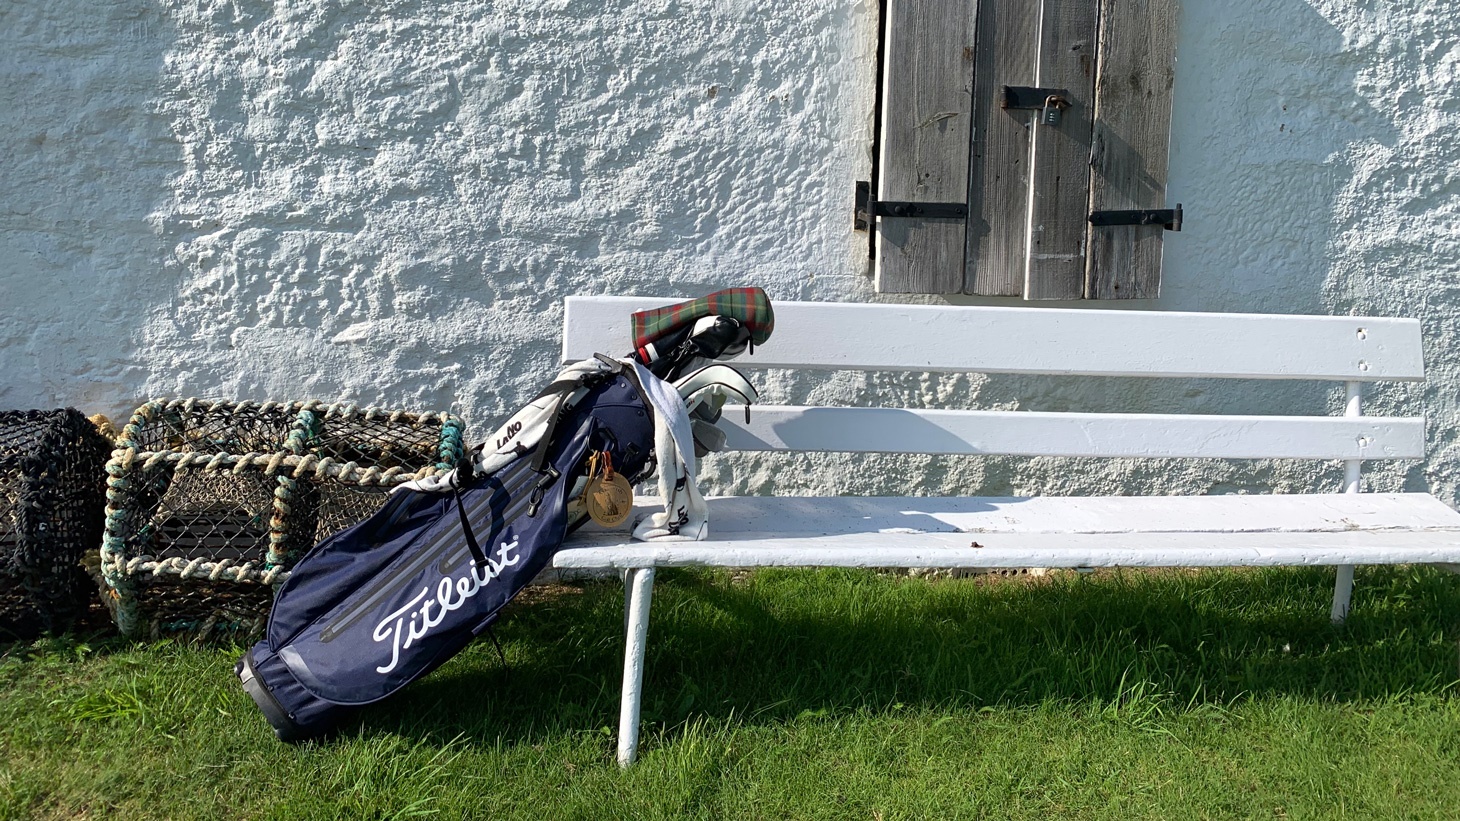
386 201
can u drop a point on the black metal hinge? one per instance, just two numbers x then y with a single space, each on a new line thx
1168 218
867 207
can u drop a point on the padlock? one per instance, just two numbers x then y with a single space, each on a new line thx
1053 105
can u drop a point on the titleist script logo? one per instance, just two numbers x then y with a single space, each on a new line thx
426 612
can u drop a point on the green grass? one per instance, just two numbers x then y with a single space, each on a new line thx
808 694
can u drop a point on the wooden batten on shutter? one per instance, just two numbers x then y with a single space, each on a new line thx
926 121
998 186
1030 179
1059 190
1133 86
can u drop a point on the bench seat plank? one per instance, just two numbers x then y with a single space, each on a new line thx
1047 531
810 516
1080 532
1033 433
1007 550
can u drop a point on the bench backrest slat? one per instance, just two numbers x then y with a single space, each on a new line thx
848 336
1028 433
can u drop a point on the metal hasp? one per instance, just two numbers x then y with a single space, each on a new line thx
1048 101
868 207
1030 97
1168 218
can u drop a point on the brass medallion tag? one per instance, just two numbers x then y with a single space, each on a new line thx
609 497
610 500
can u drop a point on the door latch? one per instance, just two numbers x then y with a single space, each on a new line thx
1168 218
1049 102
868 207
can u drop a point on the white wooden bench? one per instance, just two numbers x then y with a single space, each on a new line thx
1341 529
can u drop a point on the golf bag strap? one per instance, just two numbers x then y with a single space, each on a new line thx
561 386
565 388
547 474
471 538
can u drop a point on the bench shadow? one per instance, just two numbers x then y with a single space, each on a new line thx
773 649
830 429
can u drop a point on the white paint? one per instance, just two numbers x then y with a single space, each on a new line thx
1343 591
640 584
1038 550
842 336
1072 532
386 203
1031 433
1343 583
737 518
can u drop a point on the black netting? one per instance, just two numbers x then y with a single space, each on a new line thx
214 514
51 497
183 608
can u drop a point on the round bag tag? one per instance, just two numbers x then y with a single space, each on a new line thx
609 496
610 499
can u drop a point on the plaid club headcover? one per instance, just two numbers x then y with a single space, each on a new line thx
749 305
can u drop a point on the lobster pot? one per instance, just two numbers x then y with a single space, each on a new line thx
51 497
397 443
200 529
200 426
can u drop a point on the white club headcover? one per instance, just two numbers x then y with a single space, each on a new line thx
713 385
517 435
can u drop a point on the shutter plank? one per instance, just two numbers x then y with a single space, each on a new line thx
926 122
1060 159
1132 131
998 195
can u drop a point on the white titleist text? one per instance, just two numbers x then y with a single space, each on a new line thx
426 612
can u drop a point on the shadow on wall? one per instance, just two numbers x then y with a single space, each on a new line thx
1269 100
257 200
87 158
1266 105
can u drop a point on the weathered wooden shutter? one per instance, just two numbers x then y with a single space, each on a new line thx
1132 131
927 91
1036 168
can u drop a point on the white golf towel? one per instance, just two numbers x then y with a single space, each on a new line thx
685 517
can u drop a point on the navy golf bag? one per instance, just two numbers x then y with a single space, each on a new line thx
380 604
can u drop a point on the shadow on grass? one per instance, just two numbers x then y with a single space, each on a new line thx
93 634
791 643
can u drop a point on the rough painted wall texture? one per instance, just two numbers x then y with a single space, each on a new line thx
386 201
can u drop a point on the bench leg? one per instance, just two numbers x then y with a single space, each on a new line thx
639 585
1343 590
628 596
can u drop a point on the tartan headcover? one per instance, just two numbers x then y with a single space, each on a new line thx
749 305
